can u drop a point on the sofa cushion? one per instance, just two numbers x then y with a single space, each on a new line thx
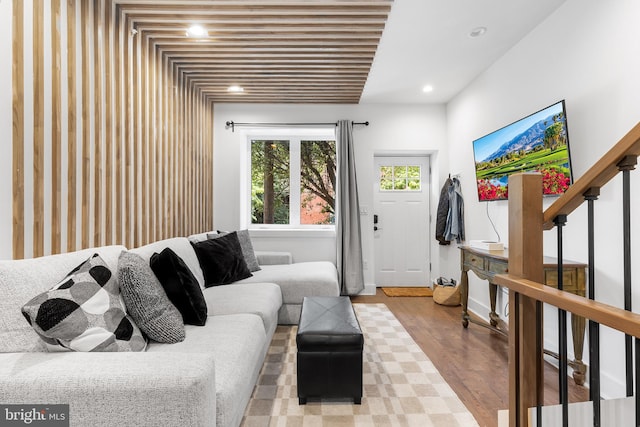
83 312
221 260
247 247
238 344
181 287
262 299
289 314
147 302
297 280
113 389
182 247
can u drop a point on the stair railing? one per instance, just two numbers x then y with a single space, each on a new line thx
527 293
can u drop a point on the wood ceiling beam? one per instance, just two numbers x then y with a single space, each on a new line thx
325 24
298 51
274 37
262 8
278 74
259 83
261 53
327 45
282 65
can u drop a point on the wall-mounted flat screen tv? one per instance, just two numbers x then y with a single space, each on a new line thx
538 142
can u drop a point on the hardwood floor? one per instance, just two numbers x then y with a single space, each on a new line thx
473 361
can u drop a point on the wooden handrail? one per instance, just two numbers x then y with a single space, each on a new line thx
605 314
526 292
597 176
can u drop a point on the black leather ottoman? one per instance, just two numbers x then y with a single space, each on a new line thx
330 346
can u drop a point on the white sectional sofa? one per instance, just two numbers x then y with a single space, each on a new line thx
205 380
296 280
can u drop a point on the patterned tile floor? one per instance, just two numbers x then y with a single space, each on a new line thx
401 385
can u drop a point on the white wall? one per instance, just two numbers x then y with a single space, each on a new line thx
394 129
6 118
588 53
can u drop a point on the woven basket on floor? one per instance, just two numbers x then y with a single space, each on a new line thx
447 295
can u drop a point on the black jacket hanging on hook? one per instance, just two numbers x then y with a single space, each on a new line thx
442 212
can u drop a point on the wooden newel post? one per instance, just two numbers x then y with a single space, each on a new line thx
525 317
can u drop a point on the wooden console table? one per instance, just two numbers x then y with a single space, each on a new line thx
487 264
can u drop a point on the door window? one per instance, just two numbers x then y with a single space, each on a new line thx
400 178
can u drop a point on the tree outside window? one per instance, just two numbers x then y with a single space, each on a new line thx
317 182
292 174
270 185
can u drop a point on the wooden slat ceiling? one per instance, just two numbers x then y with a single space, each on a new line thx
313 51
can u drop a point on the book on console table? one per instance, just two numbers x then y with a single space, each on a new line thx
487 245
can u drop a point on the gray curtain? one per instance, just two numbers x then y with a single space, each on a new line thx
348 242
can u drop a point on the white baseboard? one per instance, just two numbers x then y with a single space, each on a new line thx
369 289
478 309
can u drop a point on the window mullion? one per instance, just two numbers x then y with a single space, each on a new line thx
294 171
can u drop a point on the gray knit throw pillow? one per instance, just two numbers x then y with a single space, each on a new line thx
147 302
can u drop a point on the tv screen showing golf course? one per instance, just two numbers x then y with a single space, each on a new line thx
538 142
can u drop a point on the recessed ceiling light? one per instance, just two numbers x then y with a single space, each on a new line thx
235 88
477 32
197 31
427 89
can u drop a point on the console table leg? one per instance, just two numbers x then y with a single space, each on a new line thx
464 290
578 325
493 316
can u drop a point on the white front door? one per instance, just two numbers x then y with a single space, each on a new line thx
401 229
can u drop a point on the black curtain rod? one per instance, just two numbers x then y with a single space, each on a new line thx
231 124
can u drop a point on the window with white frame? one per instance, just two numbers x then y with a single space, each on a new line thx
292 181
400 178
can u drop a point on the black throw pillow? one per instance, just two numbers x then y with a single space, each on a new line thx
221 260
181 286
